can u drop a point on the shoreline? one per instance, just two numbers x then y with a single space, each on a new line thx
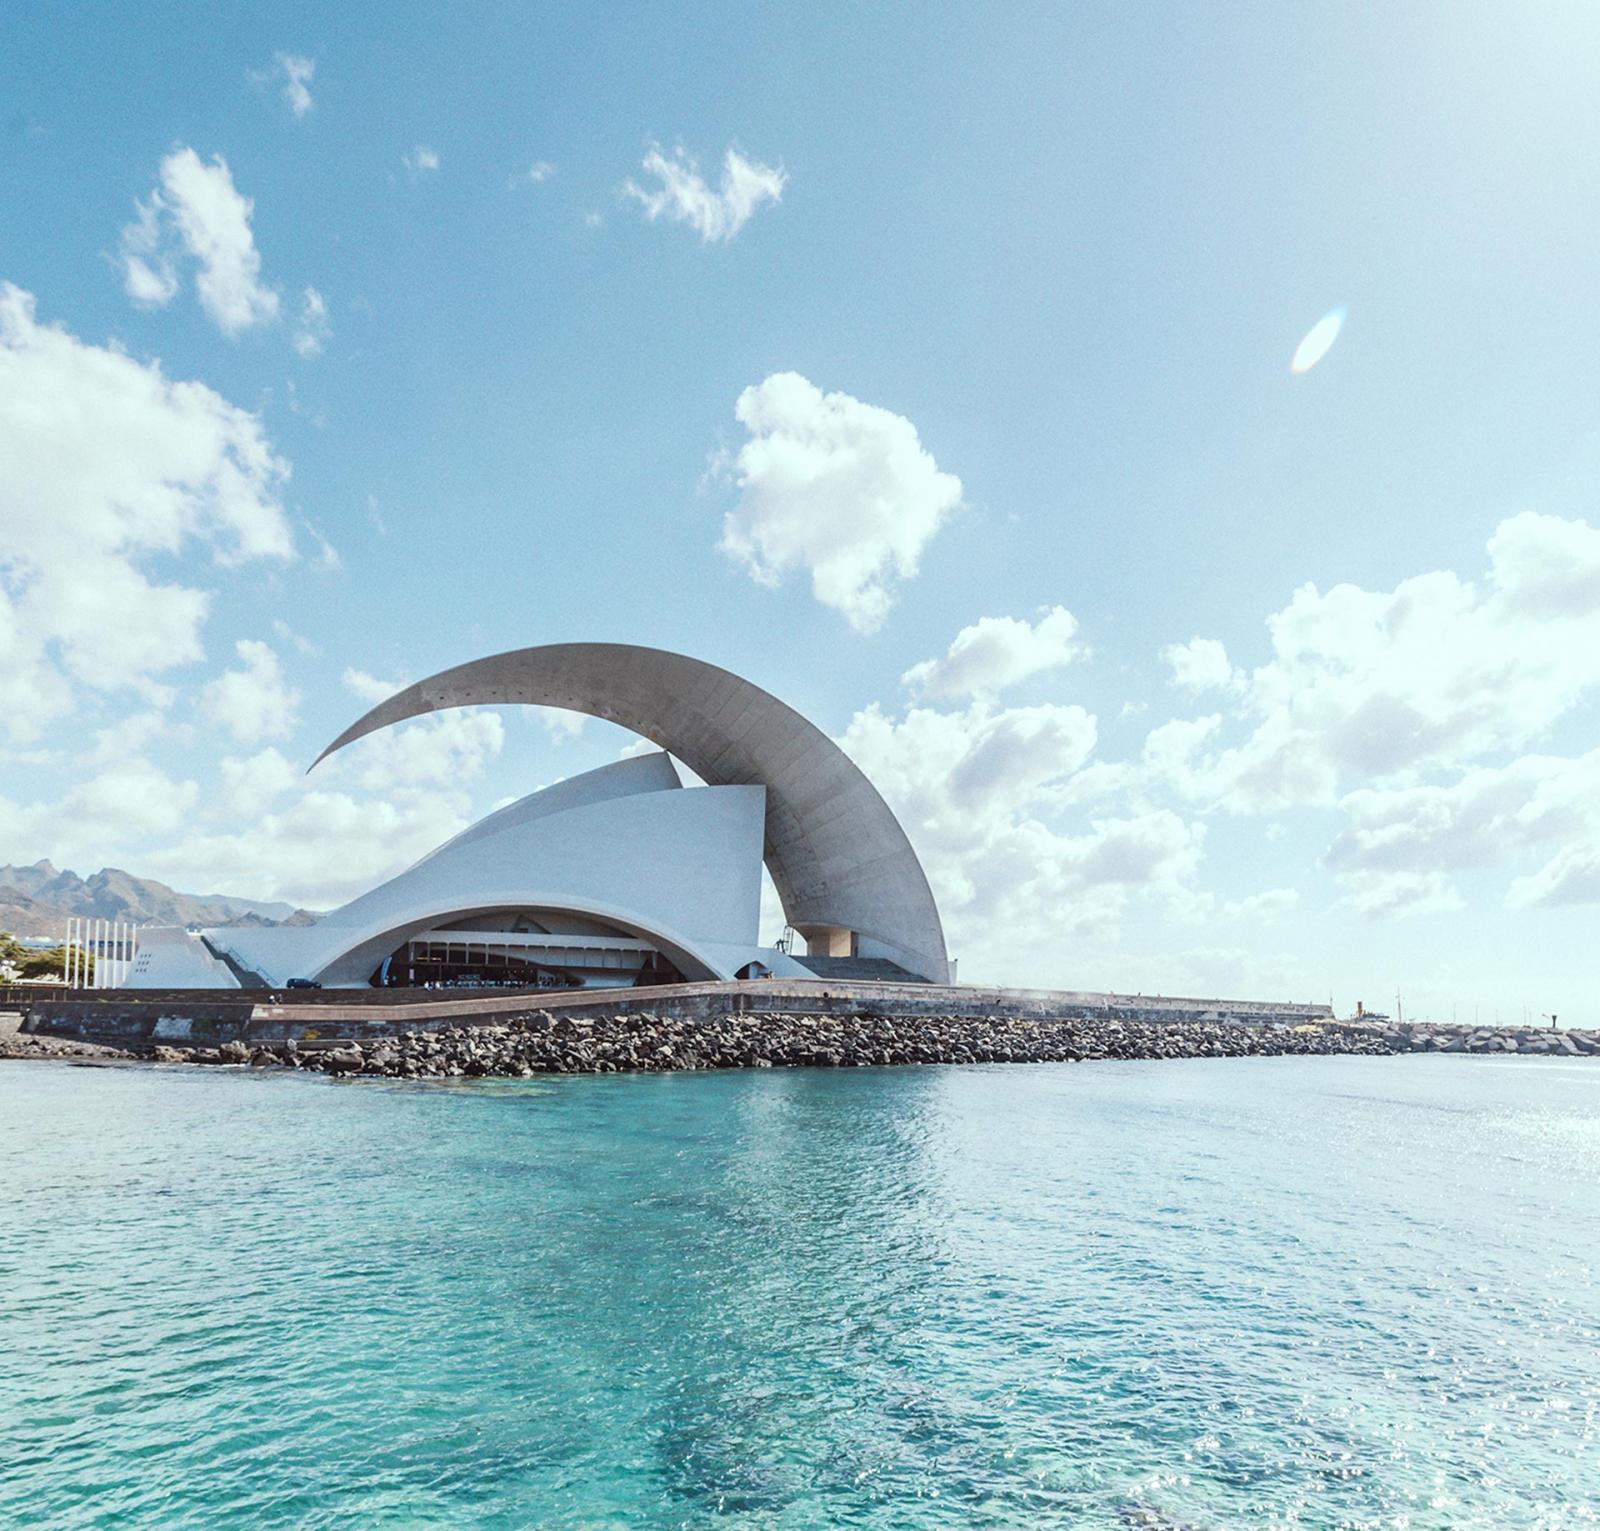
646 1042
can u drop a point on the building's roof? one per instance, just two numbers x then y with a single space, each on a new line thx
837 855
621 844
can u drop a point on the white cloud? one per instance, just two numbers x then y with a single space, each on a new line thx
560 723
327 555
1391 895
837 487
318 851
149 267
101 817
108 465
127 736
1201 664
369 688
1571 876
1542 808
421 160
313 329
977 792
198 208
1411 713
1269 904
253 702
1546 567
286 634
365 814
1436 674
539 171
1408 712
296 72
1012 753
253 783
997 652
683 195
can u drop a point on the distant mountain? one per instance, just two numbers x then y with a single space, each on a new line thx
38 901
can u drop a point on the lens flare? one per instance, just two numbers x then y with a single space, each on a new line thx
1318 342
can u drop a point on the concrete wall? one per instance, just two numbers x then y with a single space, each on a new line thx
308 1017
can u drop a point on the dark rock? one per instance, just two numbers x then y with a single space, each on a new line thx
537 1042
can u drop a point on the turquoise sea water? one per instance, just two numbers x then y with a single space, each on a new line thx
1268 1292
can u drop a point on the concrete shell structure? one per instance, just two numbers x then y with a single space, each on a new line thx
849 880
604 877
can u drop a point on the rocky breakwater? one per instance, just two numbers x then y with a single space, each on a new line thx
1529 1041
645 1043
541 1043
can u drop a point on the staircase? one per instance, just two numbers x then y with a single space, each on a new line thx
858 970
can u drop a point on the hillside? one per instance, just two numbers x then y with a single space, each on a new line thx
38 900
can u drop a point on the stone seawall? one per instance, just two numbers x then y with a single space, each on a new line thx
136 1017
541 1042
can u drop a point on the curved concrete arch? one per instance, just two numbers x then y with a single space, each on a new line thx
837 854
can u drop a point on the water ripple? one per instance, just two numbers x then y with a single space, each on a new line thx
1292 1292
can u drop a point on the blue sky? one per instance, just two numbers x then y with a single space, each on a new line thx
1009 296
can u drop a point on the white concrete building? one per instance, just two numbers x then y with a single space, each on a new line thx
622 875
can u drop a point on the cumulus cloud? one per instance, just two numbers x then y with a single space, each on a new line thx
842 489
1393 895
109 466
1199 665
319 850
977 791
539 172
997 652
312 330
1013 752
369 688
682 194
1542 808
1571 876
253 702
252 783
368 812
197 212
421 160
1411 712
1437 673
99 818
